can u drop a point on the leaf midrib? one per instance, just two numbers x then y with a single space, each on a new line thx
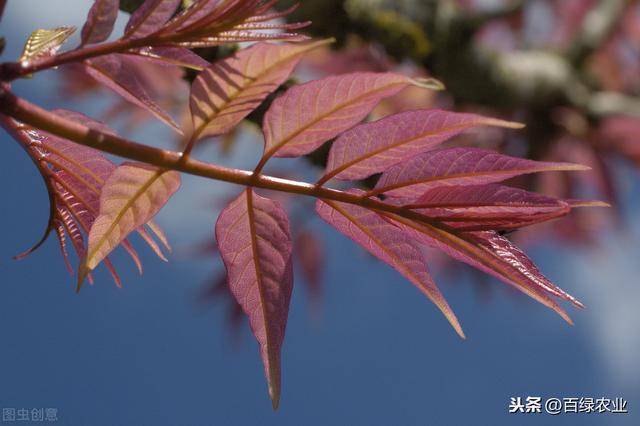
129 204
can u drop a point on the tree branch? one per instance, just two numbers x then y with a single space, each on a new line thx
34 116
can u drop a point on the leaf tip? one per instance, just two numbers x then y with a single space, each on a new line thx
587 203
428 83
275 398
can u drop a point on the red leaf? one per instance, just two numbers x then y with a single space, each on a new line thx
132 195
488 207
118 73
374 147
255 244
227 91
150 17
75 175
492 254
99 25
310 114
389 244
457 166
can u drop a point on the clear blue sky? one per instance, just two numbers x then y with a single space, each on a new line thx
150 354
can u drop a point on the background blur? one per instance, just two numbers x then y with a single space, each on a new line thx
159 352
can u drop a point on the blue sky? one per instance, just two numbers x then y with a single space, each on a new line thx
381 354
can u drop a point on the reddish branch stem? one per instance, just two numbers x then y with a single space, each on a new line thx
32 115
12 70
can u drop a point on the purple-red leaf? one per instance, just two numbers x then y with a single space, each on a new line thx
131 197
227 91
388 243
255 244
490 253
75 176
310 114
150 17
457 166
488 207
374 147
102 16
118 73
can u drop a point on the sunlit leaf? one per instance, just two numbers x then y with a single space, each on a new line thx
310 114
100 21
227 91
389 244
374 147
43 43
131 197
457 166
255 244
75 175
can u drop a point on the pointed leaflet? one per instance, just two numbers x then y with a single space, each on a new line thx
310 114
227 91
490 253
488 207
386 242
150 17
132 195
102 16
374 147
75 176
42 43
457 166
255 244
173 56
118 73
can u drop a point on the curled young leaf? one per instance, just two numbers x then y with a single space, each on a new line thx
255 244
227 91
44 43
131 197
374 147
310 114
388 243
100 21
457 166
